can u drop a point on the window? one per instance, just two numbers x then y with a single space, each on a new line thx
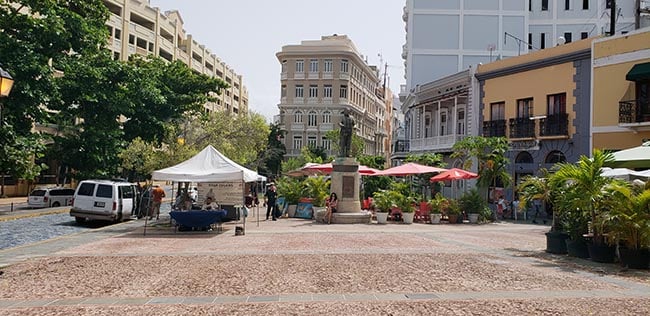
343 92
498 111
530 5
283 91
344 65
86 189
297 117
312 118
284 65
556 104
300 65
118 34
327 91
525 108
585 4
554 157
327 66
326 144
530 40
567 4
544 5
313 65
131 39
297 142
542 41
524 157
327 117
584 35
313 91
311 141
568 37
443 123
104 191
300 91
461 122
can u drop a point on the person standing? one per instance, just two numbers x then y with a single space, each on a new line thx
537 203
347 129
158 194
269 200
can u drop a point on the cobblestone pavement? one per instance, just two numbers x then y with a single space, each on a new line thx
296 267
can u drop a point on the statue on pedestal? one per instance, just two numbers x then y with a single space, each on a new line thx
347 129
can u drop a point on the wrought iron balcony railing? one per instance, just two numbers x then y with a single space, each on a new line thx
401 146
522 127
634 111
496 128
554 125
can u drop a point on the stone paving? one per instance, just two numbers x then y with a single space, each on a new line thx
297 267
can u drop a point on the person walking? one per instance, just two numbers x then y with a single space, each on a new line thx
269 201
537 203
158 194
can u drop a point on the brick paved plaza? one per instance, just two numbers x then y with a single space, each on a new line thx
296 267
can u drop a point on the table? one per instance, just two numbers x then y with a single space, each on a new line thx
198 219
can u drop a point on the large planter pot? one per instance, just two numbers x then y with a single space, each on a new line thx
473 218
291 210
577 248
435 218
382 217
635 258
408 218
453 219
601 253
555 242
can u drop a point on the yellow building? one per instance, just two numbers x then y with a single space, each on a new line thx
621 91
540 102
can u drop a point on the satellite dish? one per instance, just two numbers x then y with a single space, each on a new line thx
561 40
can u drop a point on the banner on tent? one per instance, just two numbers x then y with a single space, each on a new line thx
224 193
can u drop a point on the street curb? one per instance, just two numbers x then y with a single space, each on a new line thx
34 214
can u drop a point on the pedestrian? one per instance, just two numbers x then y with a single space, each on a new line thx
332 204
269 201
158 194
537 203
502 207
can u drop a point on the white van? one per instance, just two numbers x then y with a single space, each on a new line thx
50 197
103 200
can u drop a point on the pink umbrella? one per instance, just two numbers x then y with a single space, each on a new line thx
454 174
326 168
408 169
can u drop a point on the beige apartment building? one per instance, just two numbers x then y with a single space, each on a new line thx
137 28
320 79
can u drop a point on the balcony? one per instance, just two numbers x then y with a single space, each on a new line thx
554 125
496 128
401 146
434 143
634 112
522 127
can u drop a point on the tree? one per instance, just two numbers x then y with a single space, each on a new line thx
272 156
18 156
490 154
138 160
422 180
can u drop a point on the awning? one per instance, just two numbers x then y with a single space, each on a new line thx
638 72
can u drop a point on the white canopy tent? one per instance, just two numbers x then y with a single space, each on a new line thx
209 165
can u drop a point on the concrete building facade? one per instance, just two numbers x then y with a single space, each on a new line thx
320 79
137 28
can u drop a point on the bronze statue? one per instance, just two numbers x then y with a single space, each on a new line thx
347 128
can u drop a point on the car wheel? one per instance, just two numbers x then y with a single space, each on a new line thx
56 204
80 220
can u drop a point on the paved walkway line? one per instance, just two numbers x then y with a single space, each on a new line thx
321 297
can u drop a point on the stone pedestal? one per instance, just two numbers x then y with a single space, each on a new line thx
346 184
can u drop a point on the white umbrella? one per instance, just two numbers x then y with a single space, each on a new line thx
637 157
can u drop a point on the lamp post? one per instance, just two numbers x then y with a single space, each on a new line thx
6 83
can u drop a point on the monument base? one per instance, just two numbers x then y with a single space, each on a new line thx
352 218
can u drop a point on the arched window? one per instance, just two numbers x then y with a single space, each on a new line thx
312 118
327 117
297 117
555 156
524 157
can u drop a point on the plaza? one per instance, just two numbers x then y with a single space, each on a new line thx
298 267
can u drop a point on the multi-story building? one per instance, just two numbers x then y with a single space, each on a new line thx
541 103
621 91
137 28
320 79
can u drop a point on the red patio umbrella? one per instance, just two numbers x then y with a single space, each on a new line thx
454 174
409 169
326 168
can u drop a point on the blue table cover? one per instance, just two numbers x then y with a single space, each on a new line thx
197 218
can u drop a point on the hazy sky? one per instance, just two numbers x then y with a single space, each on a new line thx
246 34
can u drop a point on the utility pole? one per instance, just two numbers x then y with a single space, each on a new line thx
612 18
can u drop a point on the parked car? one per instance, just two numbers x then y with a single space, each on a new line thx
104 200
50 197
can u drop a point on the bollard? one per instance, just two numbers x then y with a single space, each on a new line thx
12 207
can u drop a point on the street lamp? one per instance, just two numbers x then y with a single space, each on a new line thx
6 83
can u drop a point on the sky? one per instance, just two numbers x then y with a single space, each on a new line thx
246 35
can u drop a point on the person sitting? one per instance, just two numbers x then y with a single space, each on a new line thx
332 204
210 205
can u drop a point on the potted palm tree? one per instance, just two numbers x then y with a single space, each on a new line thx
473 203
438 204
453 211
383 200
628 221
584 182
542 189
406 204
291 189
